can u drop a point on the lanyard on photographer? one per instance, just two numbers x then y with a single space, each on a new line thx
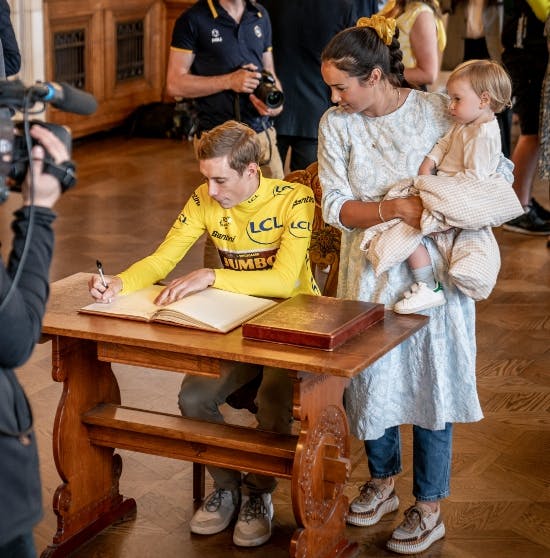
237 110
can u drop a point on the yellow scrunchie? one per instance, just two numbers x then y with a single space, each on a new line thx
384 26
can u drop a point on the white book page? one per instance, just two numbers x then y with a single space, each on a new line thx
213 308
138 304
222 310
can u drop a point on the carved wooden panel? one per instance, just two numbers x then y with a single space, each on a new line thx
113 50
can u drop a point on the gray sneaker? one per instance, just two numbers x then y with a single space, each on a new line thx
253 527
215 513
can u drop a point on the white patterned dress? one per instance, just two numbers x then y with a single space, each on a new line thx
429 379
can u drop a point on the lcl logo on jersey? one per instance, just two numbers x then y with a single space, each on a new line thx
266 225
300 229
282 189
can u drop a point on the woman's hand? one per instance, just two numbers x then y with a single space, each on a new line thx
409 210
193 282
102 293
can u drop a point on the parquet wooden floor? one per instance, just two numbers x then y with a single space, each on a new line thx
128 194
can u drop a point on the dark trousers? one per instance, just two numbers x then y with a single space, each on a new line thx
20 547
303 150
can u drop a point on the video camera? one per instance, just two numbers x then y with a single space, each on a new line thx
15 140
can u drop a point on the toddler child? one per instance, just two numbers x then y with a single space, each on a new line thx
471 149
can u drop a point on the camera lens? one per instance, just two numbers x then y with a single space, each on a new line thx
274 99
267 91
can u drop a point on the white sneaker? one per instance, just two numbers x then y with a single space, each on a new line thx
215 513
253 527
420 297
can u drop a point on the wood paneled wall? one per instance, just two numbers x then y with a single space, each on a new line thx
97 22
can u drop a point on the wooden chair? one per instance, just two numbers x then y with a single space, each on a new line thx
324 255
324 248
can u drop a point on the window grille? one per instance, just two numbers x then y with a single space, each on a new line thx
69 48
130 50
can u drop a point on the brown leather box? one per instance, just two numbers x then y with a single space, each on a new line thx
319 322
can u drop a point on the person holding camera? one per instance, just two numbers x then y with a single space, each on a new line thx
21 312
220 54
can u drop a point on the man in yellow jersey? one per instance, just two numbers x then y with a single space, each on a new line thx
261 228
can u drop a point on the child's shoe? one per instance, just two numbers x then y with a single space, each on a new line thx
420 297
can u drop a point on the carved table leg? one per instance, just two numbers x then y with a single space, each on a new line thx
321 469
88 500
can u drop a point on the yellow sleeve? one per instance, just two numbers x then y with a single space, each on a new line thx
290 270
541 8
187 228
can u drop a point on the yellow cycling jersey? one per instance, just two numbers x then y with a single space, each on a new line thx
262 242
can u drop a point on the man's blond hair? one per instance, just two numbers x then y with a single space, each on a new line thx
233 139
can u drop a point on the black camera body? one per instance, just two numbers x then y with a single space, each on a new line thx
14 156
16 142
20 159
268 92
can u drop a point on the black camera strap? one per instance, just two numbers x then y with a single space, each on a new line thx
65 172
237 106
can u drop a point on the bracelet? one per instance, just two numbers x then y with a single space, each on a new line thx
380 211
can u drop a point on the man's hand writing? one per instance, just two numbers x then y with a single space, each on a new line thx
101 293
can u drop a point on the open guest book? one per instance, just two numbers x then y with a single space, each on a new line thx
211 309
319 322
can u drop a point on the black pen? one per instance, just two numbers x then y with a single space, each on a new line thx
100 270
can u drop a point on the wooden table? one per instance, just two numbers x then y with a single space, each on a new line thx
90 420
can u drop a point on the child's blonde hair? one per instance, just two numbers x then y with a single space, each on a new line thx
486 76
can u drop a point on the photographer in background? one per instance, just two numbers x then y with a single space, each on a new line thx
222 72
20 324
218 51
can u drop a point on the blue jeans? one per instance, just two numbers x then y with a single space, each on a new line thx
20 547
432 452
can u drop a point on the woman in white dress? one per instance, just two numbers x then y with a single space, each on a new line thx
378 134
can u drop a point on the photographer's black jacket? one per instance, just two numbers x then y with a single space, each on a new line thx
12 57
20 326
